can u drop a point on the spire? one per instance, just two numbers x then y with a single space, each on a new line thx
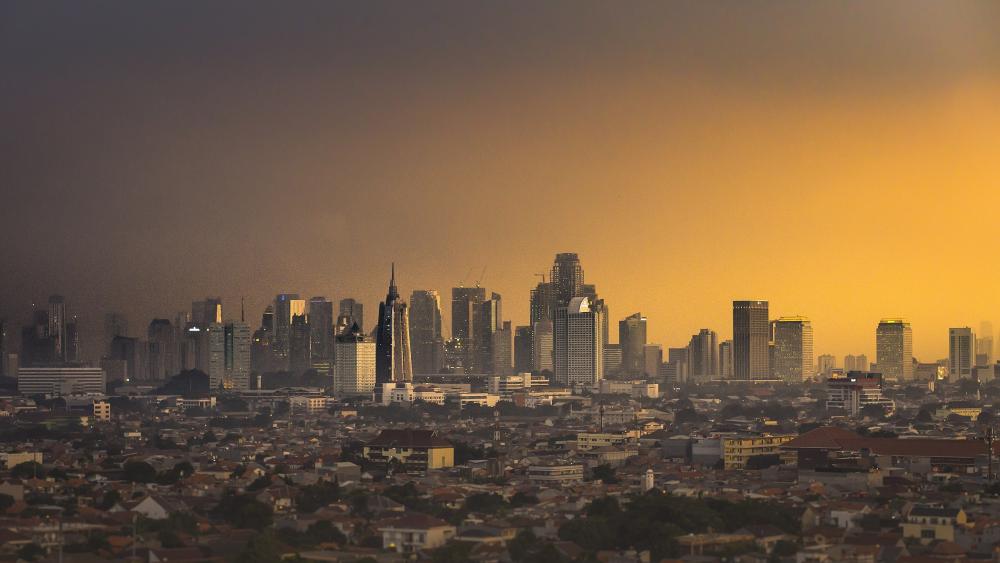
393 293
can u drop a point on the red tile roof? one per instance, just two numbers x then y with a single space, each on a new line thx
832 438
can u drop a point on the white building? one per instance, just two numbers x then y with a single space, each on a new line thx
854 391
354 370
577 344
480 399
60 380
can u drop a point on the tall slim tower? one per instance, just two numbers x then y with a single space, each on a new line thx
425 331
750 340
321 330
354 372
286 307
57 325
392 341
961 352
703 355
632 338
487 320
465 301
567 278
353 312
894 349
577 348
793 349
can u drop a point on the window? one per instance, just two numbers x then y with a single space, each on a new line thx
927 534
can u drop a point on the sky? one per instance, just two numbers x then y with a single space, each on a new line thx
839 159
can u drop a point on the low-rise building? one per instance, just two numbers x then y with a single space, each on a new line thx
409 450
930 523
556 473
737 450
414 532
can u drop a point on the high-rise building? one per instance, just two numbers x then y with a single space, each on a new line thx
486 321
566 279
577 347
543 299
703 356
612 360
299 344
204 313
678 367
162 355
750 340
115 324
393 362
57 326
286 307
130 351
726 359
72 341
261 346
465 301
632 338
321 330
793 349
523 362
60 380
855 363
541 346
3 349
825 365
984 344
426 339
353 312
503 348
229 355
894 349
961 352
354 372
652 359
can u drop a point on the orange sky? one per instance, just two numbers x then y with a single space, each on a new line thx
838 159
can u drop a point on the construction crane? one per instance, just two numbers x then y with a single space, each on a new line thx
541 276
482 276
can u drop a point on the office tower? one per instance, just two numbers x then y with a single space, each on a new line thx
353 312
115 324
426 340
894 349
162 343
229 355
321 330
523 361
541 346
37 347
793 349
543 298
392 340
354 372
825 364
984 344
129 351
577 348
855 363
503 350
726 359
286 307
299 344
262 343
961 352
566 279
612 360
652 359
465 301
703 356
204 313
632 338
677 368
486 321
57 326
750 340
72 345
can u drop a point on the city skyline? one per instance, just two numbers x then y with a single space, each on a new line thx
832 147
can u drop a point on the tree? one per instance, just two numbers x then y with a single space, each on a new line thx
244 512
30 552
325 532
6 501
605 474
139 472
28 470
263 548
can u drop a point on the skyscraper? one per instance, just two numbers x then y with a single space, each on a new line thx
961 352
653 359
115 324
261 348
577 347
486 321
703 356
793 349
632 338
204 313
286 306
541 346
523 362
894 349
299 344
855 363
392 340
57 325
465 302
825 364
321 330
354 372
566 278
162 343
726 359
503 350
72 348
750 340
229 355
4 343
353 313
984 344
543 299
426 339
